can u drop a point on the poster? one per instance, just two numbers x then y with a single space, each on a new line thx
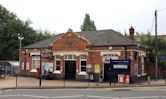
97 68
47 66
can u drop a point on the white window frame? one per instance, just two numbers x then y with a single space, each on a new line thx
67 57
83 59
37 64
55 60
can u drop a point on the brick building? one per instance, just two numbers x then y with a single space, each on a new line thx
71 54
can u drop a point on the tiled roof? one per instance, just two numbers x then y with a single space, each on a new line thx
106 37
97 38
44 43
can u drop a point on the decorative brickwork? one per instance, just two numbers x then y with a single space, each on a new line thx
69 42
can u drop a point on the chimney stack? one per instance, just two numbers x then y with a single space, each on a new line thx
70 30
131 32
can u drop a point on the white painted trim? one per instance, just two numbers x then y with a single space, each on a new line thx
33 70
110 52
82 73
77 53
116 50
57 72
34 53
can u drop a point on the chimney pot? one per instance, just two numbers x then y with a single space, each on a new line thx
70 30
131 32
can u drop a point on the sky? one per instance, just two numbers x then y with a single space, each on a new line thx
58 16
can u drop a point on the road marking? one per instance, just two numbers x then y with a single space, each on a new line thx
163 97
144 89
68 96
35 96
91 96
145 97
7 90
10 95
161 89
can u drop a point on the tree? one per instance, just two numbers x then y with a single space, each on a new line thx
147 40
88 24
10 26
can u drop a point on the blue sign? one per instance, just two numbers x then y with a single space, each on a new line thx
162 57
120 66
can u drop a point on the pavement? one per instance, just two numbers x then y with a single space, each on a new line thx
27 82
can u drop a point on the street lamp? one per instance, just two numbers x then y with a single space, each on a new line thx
20 38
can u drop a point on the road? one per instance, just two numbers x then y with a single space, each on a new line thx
105 93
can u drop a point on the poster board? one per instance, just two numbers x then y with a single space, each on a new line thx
120 66
97 68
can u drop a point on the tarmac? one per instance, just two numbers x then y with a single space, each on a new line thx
10 82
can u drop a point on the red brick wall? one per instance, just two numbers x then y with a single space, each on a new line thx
94 58
69 42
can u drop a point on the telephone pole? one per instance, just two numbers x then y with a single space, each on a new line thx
156 46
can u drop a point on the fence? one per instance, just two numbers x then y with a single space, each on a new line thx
22 81
29 81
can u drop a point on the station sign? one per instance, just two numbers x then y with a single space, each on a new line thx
120 66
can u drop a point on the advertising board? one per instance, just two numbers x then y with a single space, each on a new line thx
120 66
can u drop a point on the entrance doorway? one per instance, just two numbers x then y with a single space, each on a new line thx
106 72
70 70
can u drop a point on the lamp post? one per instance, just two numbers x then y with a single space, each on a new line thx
20 38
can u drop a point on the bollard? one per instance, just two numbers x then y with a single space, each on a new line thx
148 78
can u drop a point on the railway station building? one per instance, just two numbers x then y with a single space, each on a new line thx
75 55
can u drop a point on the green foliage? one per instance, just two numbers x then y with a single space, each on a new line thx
88 24
147 40
10 27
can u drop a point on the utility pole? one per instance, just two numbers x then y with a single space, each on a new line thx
156 45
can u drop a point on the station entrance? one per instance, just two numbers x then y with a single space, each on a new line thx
106 72
70 70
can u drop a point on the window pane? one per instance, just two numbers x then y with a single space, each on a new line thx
58 67
83 68
74 56
33 64
83 63
57 62
105 55
58 57
69 56
65 57
83 57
